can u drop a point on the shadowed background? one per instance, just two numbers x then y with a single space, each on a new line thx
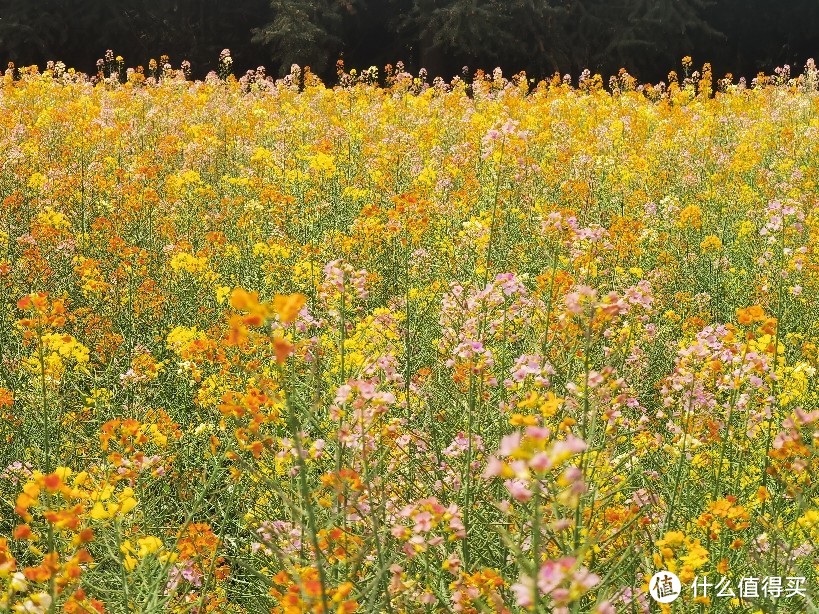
540 36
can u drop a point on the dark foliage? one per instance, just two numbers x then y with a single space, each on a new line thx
539 36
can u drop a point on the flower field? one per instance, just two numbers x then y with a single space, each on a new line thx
276 346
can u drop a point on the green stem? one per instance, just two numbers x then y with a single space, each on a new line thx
667 523
295 428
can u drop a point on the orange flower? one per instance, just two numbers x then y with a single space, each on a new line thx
78 603
242 300
282 347
44 570
232 405
64 519
769 326
6 398
52 482
722 566
198 542
22 531
287 306
751 314
253 319
37 302
237 335
86 535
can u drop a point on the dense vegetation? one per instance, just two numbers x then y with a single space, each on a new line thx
540 36
506 348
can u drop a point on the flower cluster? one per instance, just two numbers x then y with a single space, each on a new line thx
487 344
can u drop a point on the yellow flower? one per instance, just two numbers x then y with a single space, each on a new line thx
796 383
124 504
180 338
324 164
37 181
550 406
189 263
745 228
697 555
690 216
128 561
809 521
18 582
711 243
53 219
522 420
148 545
222 293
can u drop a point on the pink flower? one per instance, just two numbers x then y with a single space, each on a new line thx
540 462
573 305
595 379
552 573
585 578
605 607
566 448
538 433
423 522
518 490
572 474
524 592
509 444
494 467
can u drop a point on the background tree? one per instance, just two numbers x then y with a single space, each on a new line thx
541 36
651 32
305 32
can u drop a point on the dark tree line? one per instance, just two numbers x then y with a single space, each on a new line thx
540 36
